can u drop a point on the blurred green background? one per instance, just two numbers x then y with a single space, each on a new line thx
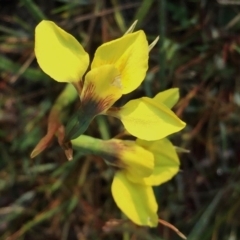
199 52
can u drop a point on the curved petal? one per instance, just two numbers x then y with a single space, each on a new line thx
166 162
137 161
59 54
129 54
100 90
102 87
148 120
136 201
169 97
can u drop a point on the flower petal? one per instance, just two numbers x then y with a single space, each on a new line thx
129 54
169 97
166 162
102 87
127 155
59 54
148 120
137 161
136 201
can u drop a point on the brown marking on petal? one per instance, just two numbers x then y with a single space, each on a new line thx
113 155
105 103
119 147
92 104
89 93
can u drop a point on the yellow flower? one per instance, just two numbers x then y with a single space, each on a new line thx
136 198
118 68
142 164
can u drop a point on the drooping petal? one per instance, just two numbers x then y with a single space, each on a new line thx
169 97
129 54
137 161
148 120
166 162
136 201
59 54
102 87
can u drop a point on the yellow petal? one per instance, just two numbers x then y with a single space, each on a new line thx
127 155
136 201
102 87
129 54
134 159
148 120
166 162
169 97
59 54
137 161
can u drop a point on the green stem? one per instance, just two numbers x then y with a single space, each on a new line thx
107 149
103 127
88 145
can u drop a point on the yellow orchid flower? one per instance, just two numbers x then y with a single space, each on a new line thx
136 198
118 68
141 164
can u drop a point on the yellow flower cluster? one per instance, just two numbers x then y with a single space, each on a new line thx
118 68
